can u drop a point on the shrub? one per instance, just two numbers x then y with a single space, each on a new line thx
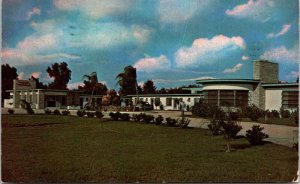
230 129
234 115
203 109
148 118
295 116
90 114
48 111
99 114
161 107
284 113
255 135
296 146
115 116
56 112
183 122
11 111
171 122
80 113
26 105
275 114
65 112
252 112
124 117
215 127
159 120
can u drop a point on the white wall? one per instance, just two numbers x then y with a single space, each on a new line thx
273 99
8 103
228 87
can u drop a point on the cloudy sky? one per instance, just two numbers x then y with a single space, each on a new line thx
172 42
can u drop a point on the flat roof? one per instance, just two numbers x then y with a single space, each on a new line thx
162 95
274 85
213 81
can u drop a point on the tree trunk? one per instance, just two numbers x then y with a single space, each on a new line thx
228 144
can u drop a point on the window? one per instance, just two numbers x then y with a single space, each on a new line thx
189 99
169 102
227 98
290 99
241 98
212 97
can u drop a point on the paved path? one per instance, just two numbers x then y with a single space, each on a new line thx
280 134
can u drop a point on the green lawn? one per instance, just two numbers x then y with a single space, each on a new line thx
49 148
275 121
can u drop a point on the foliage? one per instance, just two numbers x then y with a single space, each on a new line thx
183 122
56 112
171 122
124 116
127 80
157 102
39 85
149 88
275 113
255 135
65 112
11 111
161 107
147 118
99 114
80 113
25 105
111 98
8 74
206 110
90 114
115 116
252 112
159 120
215 127
61 74
137 117
48 111
284 113
234 115
295 116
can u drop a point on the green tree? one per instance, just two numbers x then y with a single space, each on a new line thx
8 75
127 81
61 74
39 85
149 87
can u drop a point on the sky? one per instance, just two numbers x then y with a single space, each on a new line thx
172 42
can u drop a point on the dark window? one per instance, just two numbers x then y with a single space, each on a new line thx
290 99
241 98
169 102
212 97
51 103
227 98
63 101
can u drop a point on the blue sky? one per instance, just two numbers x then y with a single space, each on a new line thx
172 42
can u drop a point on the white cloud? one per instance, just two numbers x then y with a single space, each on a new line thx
34 11
171 11
245 58
152 64
282 55
285 28
205 51
259 10
74 85
293 75
21 76
94 8
236 68
36 74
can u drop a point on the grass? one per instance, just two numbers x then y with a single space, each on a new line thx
275 121
52 148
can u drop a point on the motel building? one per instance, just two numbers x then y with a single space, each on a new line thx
264 91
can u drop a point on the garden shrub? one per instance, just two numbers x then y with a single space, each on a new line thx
124 117
230 128
137 117
171 122
90 114
80 113
215 127
161 107
115 116
203 109
255 135
285 113
147 118
99 114
275 114
295 116
234 115
65 112
252 112
56 112
11 111
159 120
183 122
26 105
48 111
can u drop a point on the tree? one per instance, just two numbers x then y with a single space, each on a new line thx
61 74
39 85
149 87
127 81
111 98
8 75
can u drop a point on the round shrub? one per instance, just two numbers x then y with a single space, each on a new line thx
11 111
90 114
159 120
56 112
255 135
80 113
124 116
65 112
48 111
99 114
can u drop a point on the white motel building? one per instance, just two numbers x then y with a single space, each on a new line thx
264 91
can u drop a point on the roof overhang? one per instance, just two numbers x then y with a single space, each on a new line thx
280 85
231 81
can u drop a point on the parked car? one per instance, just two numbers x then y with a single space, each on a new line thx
144 106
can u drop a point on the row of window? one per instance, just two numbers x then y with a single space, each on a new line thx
227 97
290 99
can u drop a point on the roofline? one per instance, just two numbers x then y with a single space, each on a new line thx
59 90
203 81
280 85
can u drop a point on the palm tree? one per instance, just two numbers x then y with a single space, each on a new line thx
93 79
